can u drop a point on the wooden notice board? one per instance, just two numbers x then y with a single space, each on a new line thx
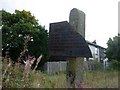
64 41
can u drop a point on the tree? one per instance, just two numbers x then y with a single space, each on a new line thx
15 27
113 49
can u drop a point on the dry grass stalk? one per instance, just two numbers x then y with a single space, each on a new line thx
38 60
9 64
28 64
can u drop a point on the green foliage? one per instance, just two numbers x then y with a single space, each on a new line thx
115 65
14 77
98 65
14 28
113 50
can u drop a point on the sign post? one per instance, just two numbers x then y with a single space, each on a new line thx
66 40
75 65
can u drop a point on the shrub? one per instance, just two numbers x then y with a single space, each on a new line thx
98 65
114 65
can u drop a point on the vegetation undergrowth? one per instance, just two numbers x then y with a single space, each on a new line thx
37 79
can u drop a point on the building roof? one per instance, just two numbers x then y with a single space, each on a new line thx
65 41
90 43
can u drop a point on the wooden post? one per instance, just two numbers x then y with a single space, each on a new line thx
75 65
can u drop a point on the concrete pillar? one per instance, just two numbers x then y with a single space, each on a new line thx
77 20
75 65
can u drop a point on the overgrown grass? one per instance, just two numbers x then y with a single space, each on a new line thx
44 80
92 79
97 79
101 79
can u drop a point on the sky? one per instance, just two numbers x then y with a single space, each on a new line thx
101 15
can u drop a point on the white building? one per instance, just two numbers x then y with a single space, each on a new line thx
97 51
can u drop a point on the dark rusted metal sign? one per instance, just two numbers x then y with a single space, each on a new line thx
64 41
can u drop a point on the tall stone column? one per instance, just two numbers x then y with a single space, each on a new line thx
75 65
77 20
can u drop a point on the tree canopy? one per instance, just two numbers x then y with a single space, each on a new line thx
113 50
18 24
